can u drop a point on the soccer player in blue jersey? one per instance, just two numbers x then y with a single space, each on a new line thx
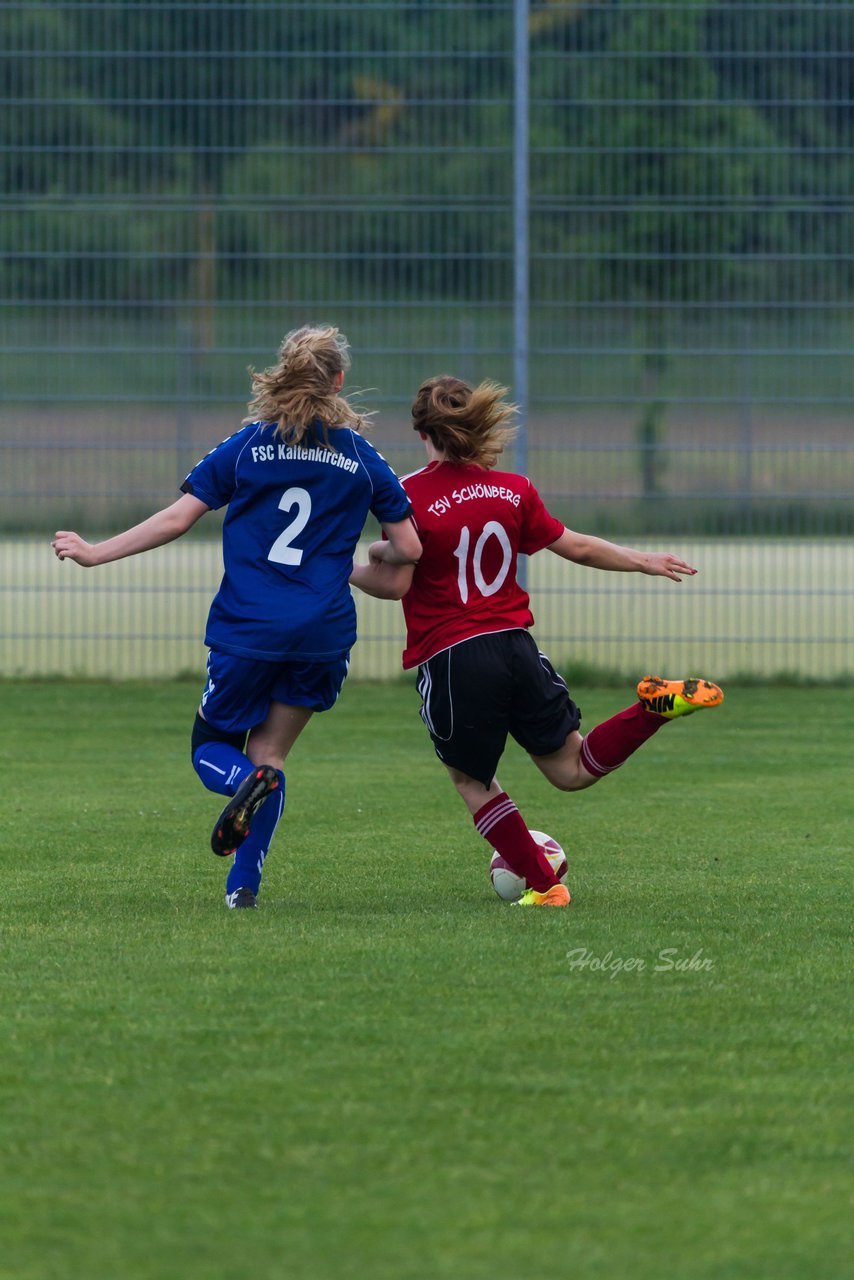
298 481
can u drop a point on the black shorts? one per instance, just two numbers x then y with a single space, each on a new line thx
478 691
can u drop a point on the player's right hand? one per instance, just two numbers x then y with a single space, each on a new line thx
665 565
70 546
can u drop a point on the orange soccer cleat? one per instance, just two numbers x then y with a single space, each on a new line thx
557 896
672 698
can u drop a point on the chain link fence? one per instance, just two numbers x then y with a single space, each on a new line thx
182 183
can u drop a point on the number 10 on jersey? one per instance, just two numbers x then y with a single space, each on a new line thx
473 566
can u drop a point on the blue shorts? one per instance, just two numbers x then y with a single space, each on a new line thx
239 691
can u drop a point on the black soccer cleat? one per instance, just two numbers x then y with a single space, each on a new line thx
232 825
241 898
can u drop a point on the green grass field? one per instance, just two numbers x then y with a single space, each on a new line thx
386 1072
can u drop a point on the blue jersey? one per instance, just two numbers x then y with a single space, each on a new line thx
295 513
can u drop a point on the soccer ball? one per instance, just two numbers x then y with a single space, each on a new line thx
508 885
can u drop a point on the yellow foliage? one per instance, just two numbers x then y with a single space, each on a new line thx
556 14
371 128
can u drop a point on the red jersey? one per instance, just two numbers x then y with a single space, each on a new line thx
472 524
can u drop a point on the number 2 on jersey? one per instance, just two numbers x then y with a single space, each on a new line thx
282 552
492 529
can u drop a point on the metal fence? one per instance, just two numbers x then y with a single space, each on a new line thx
639 215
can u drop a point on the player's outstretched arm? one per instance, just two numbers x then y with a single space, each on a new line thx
596 553
164 526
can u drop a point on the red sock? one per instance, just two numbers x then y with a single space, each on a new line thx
612 742
501 823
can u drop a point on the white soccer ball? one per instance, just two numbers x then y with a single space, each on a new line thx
508 885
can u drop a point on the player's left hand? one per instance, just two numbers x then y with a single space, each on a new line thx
661 564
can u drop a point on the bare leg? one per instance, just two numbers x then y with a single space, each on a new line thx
563 768
474 794
270 741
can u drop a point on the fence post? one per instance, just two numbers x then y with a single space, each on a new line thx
521 245
746 422
183 392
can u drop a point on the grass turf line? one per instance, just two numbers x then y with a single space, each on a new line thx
385 1071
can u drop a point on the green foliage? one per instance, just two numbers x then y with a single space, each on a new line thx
198 101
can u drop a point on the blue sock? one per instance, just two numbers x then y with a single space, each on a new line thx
221 767
248 862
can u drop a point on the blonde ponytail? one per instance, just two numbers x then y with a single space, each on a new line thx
300 390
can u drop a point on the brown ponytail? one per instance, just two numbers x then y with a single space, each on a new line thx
299 391
467 424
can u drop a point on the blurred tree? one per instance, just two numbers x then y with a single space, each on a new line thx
802 82
197 85
666 147
207 102
50 148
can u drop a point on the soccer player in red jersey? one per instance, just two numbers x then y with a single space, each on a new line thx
480 673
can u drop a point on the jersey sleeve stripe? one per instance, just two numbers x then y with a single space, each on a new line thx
356 441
